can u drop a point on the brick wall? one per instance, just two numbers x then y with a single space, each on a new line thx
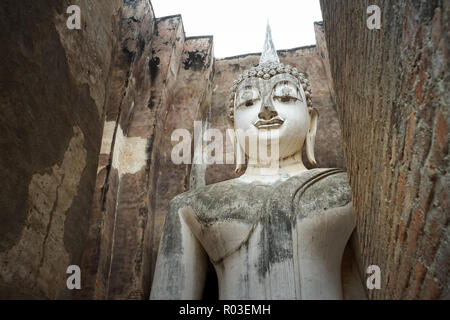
393 97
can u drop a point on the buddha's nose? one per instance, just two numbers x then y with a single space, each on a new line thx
267 110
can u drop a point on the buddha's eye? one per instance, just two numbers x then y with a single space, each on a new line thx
247 103
286 95
286 92
286 98
248 97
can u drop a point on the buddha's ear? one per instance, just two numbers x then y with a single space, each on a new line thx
311 135
239 156
230 121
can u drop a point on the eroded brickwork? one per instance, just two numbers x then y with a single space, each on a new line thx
393 97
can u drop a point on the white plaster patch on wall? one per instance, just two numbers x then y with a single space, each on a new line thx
40 256
107 138
129 153
108 132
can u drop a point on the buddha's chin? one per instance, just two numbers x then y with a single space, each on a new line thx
269 135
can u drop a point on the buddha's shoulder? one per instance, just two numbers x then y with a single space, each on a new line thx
221 194
315 189
324 189
326 180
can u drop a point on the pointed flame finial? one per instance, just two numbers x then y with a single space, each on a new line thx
269 54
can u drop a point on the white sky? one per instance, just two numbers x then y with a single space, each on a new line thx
238 26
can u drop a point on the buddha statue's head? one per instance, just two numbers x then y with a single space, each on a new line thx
271 104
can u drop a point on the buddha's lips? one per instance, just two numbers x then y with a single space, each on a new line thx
272 123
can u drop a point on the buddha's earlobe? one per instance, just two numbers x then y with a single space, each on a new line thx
311 135
239 157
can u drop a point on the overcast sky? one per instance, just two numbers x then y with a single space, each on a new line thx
238 26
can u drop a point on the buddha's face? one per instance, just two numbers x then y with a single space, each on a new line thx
273 111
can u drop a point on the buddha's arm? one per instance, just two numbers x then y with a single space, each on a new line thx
322 240
181 265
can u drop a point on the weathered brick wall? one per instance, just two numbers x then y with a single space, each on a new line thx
53 89
113 263
189 102
393 96
158 85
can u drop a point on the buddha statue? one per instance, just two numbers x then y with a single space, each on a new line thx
279 230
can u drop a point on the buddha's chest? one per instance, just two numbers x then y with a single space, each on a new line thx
278 256
272 228
223 228
271 241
